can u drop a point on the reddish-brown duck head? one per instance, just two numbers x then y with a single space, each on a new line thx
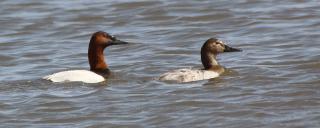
98 42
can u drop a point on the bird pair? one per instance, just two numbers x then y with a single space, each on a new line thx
99 69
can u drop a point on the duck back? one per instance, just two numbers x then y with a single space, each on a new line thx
75 75
188 75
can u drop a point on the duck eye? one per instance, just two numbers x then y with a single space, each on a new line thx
113 38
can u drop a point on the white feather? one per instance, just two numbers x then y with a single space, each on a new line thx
75 75
188 75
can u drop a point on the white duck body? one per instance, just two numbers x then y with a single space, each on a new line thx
188 75
75 75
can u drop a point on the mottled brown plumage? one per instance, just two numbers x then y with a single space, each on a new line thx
209 51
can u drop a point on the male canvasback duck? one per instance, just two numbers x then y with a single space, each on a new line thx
209 51
98 68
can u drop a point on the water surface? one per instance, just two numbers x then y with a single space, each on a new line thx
274 82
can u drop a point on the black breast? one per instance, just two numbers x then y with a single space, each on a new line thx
104 72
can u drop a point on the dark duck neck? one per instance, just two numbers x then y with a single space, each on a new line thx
96 59
208 59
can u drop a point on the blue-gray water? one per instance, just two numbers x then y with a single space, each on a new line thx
273 83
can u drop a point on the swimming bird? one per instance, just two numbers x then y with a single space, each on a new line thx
209 51
98 68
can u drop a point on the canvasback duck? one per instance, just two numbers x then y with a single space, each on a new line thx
98 68
209 51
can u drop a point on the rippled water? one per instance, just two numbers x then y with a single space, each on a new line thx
274 82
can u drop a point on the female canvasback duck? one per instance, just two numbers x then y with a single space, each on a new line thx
98 68
209 51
